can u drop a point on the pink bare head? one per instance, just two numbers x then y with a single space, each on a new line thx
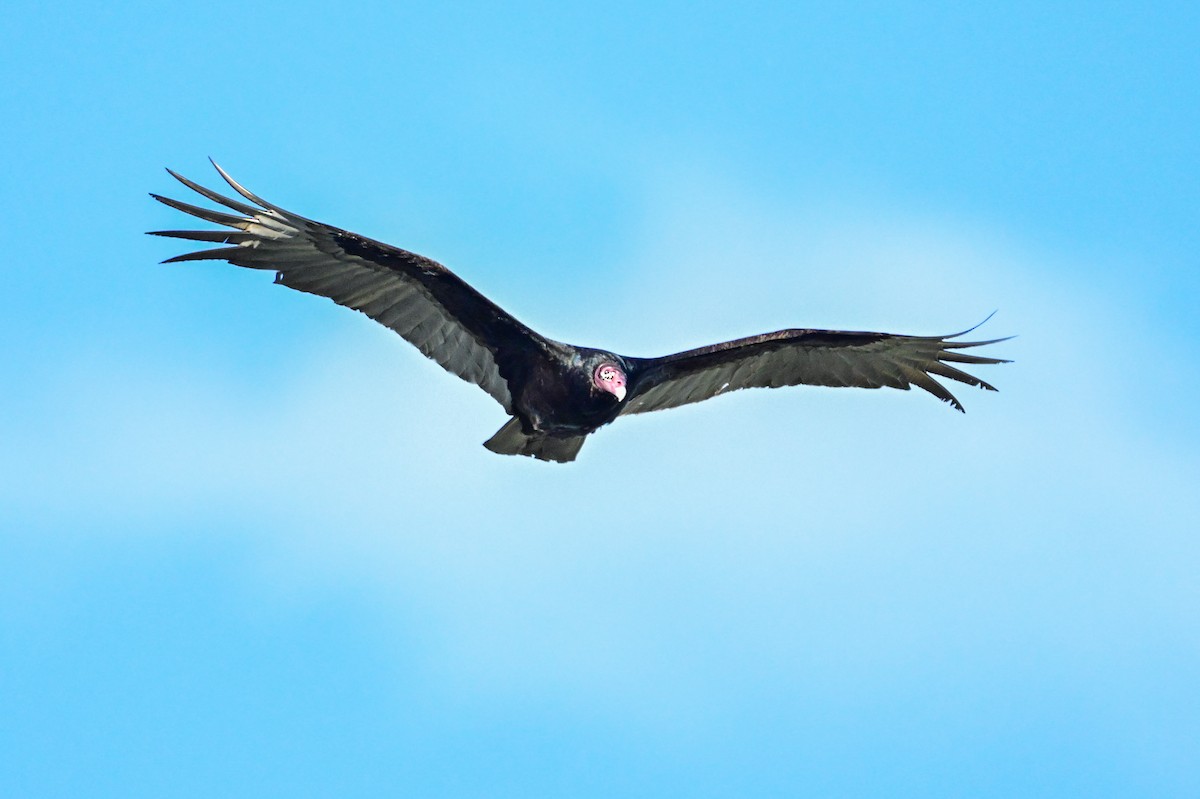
609 377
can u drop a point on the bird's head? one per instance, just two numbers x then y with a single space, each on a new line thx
611 378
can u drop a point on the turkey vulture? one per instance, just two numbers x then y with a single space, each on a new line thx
556 393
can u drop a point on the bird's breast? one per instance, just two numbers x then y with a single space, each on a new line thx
559 399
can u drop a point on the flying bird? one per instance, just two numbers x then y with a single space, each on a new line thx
557 394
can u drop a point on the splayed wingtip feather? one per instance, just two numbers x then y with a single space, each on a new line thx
242 190
214 196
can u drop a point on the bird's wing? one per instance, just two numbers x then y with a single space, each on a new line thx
811 357
423 301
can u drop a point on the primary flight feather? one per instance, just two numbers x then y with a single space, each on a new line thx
557 394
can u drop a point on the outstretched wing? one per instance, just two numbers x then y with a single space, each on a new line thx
423 301
810 357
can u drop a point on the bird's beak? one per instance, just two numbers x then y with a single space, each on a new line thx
619 391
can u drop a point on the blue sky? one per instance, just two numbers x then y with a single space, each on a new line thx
249 542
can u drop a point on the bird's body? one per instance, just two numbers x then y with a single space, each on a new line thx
557 393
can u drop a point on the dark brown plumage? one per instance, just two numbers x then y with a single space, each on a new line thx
556 393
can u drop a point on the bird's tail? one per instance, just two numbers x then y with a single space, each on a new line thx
513 440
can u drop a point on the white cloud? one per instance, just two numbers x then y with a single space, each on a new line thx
753 536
